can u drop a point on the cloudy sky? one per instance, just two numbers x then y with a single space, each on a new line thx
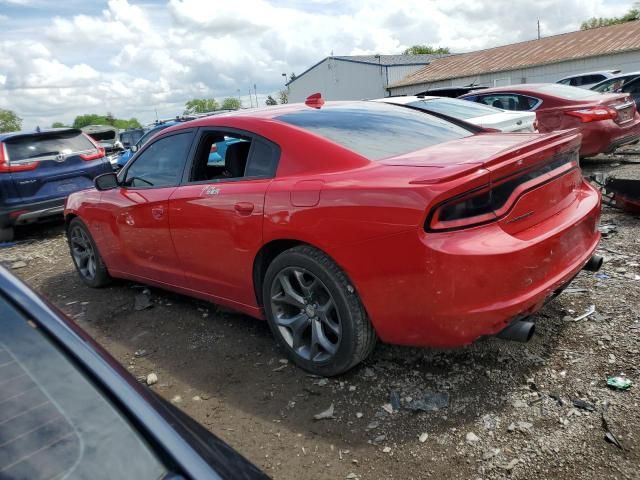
62 58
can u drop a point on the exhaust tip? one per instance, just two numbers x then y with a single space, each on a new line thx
594 264
518 331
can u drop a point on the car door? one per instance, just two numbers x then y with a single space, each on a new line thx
216 215
135 230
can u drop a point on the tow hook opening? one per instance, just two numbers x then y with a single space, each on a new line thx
518 331
594 263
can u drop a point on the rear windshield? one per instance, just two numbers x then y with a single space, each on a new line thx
376 130
461 109
47 144
565 91
103 136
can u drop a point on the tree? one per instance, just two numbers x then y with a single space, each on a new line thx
201 105
632 15
231 103
283 96
9 121
270 101
426 49
108 119
58 125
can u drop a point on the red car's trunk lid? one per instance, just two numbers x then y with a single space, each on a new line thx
530 176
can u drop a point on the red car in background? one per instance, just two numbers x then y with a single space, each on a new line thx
345 223
606 121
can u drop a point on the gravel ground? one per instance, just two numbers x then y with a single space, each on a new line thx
499 409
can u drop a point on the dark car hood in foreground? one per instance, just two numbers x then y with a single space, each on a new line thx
197 452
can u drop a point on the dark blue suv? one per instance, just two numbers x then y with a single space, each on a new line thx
39 169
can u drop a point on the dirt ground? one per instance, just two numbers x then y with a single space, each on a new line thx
512 410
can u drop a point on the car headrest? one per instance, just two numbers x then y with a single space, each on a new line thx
235 159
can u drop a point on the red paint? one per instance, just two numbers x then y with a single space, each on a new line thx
602 129
419 288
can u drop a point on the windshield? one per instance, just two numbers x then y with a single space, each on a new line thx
567 92
462 109
47 144
376 130
54 423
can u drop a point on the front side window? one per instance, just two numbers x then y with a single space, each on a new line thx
161 164
54 422
375 130
453 107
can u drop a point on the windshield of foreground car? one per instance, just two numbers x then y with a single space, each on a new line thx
54 423
566 91
147 136
376 130
453 107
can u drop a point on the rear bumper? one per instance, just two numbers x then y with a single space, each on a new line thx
606 136
449 289
26 213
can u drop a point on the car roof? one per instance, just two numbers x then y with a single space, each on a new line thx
406 99
597 72
4 136
523 88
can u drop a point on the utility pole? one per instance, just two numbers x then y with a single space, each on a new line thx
250 97
538 29
255 91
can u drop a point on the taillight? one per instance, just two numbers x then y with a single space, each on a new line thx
7 167
93 156
214 148
494 199
594 114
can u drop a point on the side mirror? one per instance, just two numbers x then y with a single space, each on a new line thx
106 181
134 148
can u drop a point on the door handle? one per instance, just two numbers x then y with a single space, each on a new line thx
244 208
157 212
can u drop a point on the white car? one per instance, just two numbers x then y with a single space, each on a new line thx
589 79
475 113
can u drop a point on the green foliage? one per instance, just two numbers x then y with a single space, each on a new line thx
270 101
231 103
283 96
58 125
201 105
426 49
632 15
9 121
108 119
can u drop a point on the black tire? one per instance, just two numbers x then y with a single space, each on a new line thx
95 277
355 339
6 234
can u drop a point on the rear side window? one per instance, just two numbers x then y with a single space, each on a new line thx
461 109
376 130
49 144
510 101
54 422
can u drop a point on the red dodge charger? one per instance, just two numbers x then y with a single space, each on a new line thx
605 120
346 223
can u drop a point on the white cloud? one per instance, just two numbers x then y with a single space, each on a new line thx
132 59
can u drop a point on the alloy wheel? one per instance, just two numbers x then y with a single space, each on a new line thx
306 314
83 252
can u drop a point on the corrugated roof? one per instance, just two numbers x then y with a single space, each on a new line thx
389 60
558 48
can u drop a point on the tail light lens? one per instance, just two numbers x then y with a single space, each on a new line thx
93 156
493 200
7 167
594 114
214 148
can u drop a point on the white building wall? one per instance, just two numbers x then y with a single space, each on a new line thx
627 62
340 80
